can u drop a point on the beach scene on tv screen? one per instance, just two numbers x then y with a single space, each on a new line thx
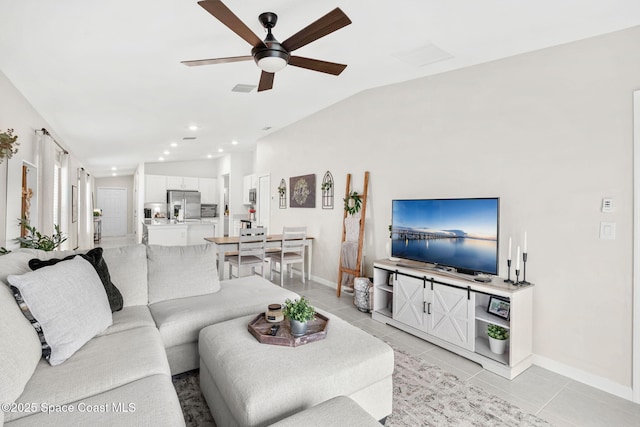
461 233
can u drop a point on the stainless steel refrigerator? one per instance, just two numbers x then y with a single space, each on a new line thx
188 201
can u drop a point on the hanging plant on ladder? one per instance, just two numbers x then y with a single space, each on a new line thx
352 203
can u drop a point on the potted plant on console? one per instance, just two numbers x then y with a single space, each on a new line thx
299 312
497 338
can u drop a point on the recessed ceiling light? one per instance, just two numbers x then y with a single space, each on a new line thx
220 150
209 156
174 144
166 152
113 174
193 127
113 168
161 159
234 142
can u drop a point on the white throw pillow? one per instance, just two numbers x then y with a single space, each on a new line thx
67 302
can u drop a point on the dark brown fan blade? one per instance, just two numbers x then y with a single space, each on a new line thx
317 65
329 23
217 60
228 18
266 81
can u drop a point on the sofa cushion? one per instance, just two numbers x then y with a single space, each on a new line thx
180 320
181 271
129 272
20 349
153 401
104 363
135 316
66 302
94 256
337 412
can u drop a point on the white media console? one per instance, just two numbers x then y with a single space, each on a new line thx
450 310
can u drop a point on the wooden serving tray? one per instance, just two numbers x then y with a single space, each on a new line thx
260 329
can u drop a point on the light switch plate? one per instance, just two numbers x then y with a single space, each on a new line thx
608 230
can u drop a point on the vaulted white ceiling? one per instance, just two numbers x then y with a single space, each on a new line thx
107 77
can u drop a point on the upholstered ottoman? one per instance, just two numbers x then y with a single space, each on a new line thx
247 383
340 411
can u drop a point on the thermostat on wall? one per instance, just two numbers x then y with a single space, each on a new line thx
607 205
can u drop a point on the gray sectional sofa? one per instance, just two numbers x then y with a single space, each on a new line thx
122 376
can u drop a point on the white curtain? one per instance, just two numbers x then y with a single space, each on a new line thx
47 152
85 211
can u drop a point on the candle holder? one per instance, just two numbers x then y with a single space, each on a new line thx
508 279
524 270
517 283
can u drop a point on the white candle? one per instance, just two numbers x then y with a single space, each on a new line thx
518 258
525 243
509 256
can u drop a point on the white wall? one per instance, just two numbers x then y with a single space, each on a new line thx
17 113
550 132
196 168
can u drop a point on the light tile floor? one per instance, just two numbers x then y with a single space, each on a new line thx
553 397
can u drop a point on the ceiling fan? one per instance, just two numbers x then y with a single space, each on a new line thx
271 55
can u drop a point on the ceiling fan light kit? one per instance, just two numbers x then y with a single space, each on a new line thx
270 55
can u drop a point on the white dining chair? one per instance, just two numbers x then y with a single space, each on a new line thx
291 252
250 251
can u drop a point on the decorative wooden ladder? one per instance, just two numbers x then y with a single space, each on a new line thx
357 271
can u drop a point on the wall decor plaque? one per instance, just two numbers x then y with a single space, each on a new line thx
302 191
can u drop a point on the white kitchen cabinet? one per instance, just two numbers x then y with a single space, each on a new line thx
249 182
155 189
182 183
197 232
208 190
167 235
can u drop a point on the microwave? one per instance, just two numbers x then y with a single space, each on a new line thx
253 195
208 210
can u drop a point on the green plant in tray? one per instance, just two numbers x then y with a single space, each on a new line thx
300 310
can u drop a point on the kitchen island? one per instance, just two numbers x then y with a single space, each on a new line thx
161 231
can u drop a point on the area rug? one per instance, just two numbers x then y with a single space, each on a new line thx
423 395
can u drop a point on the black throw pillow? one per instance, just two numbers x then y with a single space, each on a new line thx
94 256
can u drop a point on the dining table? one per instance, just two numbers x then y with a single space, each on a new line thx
229 245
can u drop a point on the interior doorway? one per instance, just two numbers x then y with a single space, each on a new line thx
113 203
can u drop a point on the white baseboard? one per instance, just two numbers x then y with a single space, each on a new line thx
584 377
324 282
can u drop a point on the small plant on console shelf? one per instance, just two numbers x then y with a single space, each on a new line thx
497 332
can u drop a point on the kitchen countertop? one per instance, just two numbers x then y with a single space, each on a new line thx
162 222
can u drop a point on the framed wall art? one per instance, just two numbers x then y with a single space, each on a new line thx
302 191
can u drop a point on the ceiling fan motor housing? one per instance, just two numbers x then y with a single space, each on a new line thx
273 51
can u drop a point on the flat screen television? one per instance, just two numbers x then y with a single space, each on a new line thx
457 233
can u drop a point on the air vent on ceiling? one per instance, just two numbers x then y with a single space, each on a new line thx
243 88
188 138
425 55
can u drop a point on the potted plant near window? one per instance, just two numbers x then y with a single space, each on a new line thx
36 240
497 338
299 312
